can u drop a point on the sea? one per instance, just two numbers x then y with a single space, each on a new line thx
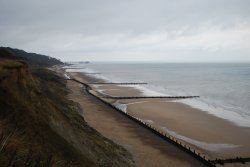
224 88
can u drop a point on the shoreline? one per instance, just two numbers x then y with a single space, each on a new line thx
204 104
201 131
147 148
213 136
232 149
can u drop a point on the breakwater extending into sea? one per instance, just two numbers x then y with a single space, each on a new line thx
224 89
191 151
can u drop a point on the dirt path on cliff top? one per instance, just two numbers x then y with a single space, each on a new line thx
147 149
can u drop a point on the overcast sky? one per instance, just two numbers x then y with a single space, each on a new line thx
129 30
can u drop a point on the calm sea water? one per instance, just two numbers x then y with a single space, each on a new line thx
224 89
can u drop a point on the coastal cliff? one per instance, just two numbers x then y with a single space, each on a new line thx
39 126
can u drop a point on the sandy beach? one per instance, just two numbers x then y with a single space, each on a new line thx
147 149
213 137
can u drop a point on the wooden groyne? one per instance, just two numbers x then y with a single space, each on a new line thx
161 134
117 83
170 139
92 73
74 68
231 160
149 97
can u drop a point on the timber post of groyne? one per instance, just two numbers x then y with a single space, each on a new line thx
75 68
92 73
231 160
192 152
148 97
117 83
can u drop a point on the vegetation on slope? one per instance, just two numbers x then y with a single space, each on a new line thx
39 126
33 58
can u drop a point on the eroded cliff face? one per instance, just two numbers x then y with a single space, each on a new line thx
15 73
40 126
16 84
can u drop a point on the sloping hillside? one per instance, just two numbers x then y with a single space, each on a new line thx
39 126
34 58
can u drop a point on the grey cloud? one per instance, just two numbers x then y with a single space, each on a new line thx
33 24
119 15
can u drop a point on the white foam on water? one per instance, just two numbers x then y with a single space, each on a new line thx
148 92
123 106
203 145
75 70
203 104
66 76
234 117
231 113
102 91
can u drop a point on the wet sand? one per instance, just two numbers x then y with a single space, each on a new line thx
212 136
147 149
215 137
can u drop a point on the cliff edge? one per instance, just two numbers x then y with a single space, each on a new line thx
39 126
